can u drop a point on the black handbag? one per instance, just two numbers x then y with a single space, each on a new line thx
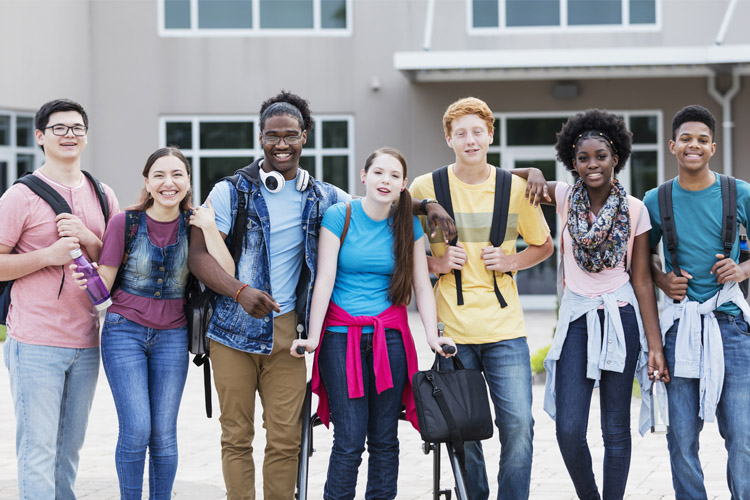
199 302
452 406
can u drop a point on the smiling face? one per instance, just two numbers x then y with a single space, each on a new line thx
384 179
168 181
469 139
594 162
693 146
282 156
68 147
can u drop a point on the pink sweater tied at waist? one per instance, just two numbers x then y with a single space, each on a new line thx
394 317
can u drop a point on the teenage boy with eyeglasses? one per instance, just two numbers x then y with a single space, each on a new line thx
52 351
705 318
491 337
260 306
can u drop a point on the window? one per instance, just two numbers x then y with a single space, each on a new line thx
19 152
218 146
533 136
490 15
528 140
253 17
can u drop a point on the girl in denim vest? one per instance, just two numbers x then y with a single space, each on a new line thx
371 251
144 338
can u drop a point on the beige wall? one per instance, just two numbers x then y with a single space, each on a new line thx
108 55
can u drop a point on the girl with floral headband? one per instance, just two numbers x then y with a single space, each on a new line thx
607 329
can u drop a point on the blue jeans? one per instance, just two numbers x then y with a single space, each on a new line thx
573 402
52 389
146 369
506 368
374 416
733 415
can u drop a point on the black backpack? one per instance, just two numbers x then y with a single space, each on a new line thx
503 180
729 222
60 206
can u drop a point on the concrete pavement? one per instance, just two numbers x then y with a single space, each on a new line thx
199 473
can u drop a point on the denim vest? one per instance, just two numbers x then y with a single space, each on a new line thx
154 272
230 324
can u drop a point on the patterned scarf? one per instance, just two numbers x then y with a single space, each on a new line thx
603 244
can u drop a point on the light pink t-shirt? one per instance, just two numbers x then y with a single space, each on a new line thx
595 284
36 315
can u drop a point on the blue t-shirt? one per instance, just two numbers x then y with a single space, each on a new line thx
287 245
365 262
698 222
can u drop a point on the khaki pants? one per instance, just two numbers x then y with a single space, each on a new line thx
280 381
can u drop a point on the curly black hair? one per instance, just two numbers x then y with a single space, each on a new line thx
693 113
289 104
594 123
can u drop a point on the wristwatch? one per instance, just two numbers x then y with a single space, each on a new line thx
423 206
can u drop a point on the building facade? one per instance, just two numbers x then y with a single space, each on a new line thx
193 73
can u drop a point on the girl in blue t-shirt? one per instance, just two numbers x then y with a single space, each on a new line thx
370 253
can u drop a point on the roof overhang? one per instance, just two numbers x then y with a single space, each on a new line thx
567 64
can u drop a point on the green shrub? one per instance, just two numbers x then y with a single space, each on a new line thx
537 359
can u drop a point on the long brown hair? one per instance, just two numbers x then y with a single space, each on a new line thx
145 201
399 290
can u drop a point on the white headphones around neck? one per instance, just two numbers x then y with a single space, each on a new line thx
274 181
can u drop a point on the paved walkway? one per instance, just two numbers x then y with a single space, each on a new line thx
199 473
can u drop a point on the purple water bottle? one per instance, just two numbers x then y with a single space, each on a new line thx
95 287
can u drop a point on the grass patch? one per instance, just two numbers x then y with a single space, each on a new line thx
537 359
2 333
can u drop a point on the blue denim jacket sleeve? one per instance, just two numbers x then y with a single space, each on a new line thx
230 324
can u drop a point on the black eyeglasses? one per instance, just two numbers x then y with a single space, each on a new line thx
78 130
290 140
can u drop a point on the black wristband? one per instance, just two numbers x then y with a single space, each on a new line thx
423 206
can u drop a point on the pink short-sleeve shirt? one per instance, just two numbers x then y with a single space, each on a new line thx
36 315
595 284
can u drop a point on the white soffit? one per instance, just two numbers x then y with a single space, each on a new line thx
584 63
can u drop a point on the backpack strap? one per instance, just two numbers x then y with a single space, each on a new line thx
668 229
132 221
45 192
729 212
503 181
103 202
52 198
443 196
237 236
347 220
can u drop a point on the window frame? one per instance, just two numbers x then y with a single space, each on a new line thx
195 153
563 27
10 152
255 31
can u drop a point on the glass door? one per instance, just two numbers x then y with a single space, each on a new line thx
537 286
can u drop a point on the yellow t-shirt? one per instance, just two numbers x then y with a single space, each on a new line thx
480 319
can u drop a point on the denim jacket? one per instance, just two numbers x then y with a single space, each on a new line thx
151 271
604 352
230 324
701 356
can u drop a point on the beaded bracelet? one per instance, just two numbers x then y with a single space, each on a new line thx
237 295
